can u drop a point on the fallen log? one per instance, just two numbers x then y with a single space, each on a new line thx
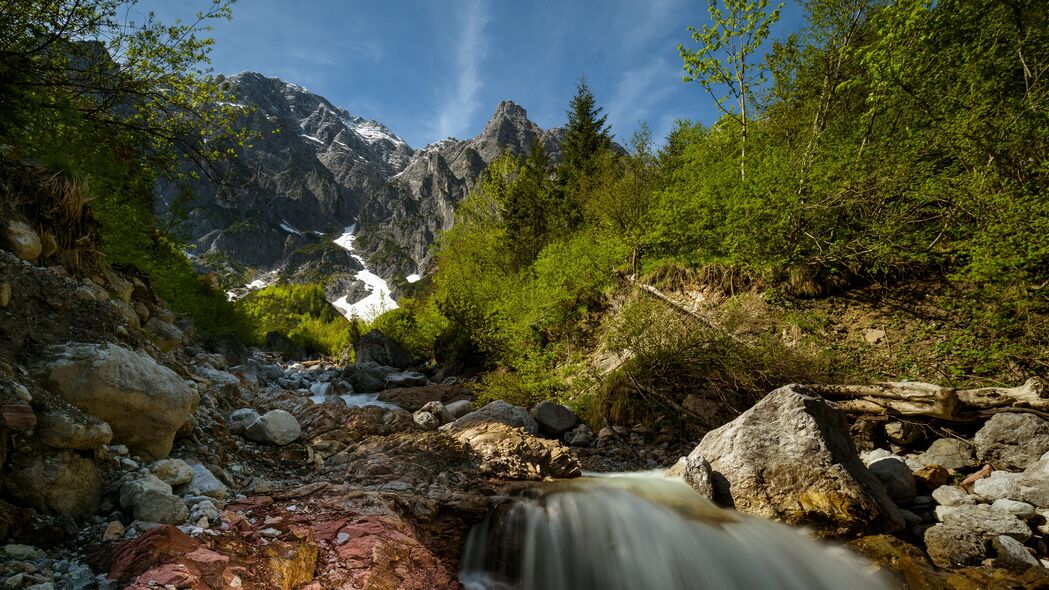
905 398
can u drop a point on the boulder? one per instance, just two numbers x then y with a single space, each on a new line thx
132 489
21 239
378 348
952 546
1012 441
153 505
439 411
173 472
1012 555
1021 510
498 412
509 452
952 496
580 436
204 483
425 420
459 408
276 427
1000 484
230 347
322 388
950 453
984 520
897 478
72 429
405 379
143 402
367 377
167 336
902 433
241 419
553 418
790 457
696 472
55 482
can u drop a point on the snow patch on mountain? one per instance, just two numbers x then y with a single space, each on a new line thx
378 299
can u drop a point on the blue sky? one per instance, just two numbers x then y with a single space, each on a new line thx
432 69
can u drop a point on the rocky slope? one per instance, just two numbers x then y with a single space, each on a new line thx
315 172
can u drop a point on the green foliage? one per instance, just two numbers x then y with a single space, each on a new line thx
415 325
299 311
586 136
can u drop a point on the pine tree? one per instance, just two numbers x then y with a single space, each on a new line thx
526 211
586 135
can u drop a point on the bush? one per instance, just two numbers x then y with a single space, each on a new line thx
302 313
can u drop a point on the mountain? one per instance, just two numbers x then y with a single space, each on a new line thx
321 195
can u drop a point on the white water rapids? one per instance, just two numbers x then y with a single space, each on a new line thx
645 532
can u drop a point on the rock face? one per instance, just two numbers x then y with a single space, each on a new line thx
276 427
553 418
512 453
790 458
144 403
498 412
1012 441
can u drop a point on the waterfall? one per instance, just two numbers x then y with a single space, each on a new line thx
636 533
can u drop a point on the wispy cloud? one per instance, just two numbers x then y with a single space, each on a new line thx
458 110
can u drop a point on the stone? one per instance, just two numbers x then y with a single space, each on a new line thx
370 377
439 411
1000 484
322 389
955 546
902 433
167 336
425 420
414 398
143 402
405 379
23 552
553 418
459 408
17 417
22 240
205 509
55 482
982 519
1020 509
241 419
114 531
790 457
897 478
132 489
142 311
230 347
204 483
71 429
173 472
696 472
952 496
498 412
122 287
949 453
376 347
873 335
1012 555
276 427
1012 441
157 506
580 436
510 452
930 477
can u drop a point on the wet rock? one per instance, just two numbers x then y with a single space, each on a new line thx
55 482
71 429
173 472
369 377
241 419
696 472
425 420
144 403
553 418
512 453
204 483
1012 441
405 379
498 412
1012 555
580 436
790 457
322 389
897 478
22 240
949 453
439 411
378 348
276 427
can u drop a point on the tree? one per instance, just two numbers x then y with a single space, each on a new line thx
526 207
739 30
586 135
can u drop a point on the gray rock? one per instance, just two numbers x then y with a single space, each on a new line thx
54 482
378 348
275 427
1020 509
158 506
1012 555
902 433
982 519
241 419
697 473
948 452
144 403
499 412
897 478
167 336
72 429
955 546
553 418
425 420
460 408
21 239
204 509
1000 484
23 552
1012 441
439 411
952 496
367 377
790 457
132 489
204 483
580 436
323 389
173 472
405 379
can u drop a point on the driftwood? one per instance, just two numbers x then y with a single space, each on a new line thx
938 402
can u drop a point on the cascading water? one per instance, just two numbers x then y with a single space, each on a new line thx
649 532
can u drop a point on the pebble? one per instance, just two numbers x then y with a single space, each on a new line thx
114 531
269 532
342 538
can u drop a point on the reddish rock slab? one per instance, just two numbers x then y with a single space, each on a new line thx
170 575
255 502
161 545
17 417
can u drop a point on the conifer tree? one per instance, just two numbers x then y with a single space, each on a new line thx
586 135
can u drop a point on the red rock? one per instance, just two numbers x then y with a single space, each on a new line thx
171 574
17 417
160 545
325 531
212 565
242 504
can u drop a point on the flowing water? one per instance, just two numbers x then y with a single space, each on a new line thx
645 532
